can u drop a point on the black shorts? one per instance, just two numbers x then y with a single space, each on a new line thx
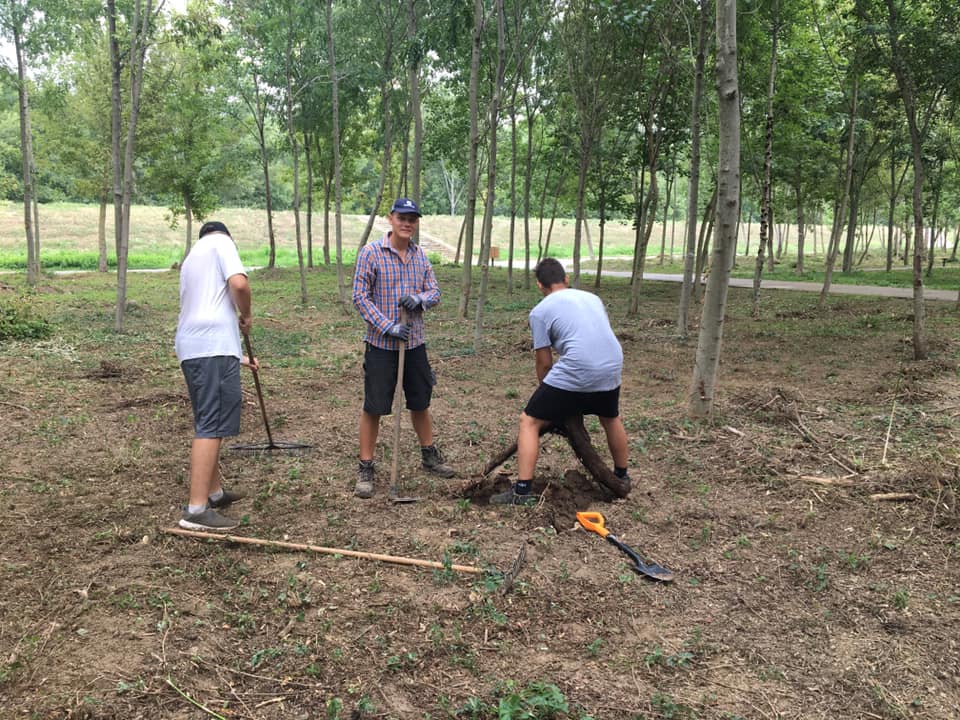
380 379
214 387
554 404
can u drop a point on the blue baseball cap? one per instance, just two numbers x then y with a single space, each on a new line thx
406 207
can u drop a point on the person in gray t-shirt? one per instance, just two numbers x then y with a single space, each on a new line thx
584 380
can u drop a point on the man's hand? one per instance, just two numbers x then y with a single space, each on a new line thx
411 302
246 322
253 364
401 331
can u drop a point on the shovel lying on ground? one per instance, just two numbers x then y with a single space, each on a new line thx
594 522
395 493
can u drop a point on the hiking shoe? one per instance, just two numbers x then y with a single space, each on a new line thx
207 519
364 486
511 497
433 462
228 498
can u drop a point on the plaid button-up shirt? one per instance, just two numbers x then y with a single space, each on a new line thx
381 278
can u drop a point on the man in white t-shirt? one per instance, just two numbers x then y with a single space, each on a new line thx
215 307
584 379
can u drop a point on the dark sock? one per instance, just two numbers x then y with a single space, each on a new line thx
620 472
523 487
366 463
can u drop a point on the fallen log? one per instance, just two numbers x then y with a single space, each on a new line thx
576 434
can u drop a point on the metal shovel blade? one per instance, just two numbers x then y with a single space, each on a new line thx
651 570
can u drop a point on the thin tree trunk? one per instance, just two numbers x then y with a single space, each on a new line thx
845 194
385 93
342 291
416 110
466 282
140 27
703 384
693 184
102 234
766 192
308 157
26 155
493 118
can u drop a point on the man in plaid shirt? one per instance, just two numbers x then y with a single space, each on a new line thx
394 273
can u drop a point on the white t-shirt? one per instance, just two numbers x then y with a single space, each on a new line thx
208 324
575 324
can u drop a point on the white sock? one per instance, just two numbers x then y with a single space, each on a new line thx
195 509
217 495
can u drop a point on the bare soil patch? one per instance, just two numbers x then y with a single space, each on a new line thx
798 595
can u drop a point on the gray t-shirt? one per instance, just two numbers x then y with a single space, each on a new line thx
575 324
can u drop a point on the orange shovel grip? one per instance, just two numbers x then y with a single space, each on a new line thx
593 521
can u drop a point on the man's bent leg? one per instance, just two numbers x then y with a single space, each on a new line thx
528 446
204 469
616 440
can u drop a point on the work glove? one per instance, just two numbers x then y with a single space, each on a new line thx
401 331
411 302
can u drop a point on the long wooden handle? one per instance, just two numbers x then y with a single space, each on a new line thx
395 559
256 382
398 405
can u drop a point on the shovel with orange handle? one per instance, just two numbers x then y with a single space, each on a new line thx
594 522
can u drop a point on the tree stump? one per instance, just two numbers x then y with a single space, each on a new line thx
576 434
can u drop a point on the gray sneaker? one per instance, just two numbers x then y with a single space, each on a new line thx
228 498
207 519
433 462
364 486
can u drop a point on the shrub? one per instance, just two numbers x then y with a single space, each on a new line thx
19 322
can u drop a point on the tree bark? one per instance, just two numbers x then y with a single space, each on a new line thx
703 383
492 122
338 191
693 183
26 156
466 282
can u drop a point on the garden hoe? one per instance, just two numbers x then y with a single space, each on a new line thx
395 494
271 445
593 521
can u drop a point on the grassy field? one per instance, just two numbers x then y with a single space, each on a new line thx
69 241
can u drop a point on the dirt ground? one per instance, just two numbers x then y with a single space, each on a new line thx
798 593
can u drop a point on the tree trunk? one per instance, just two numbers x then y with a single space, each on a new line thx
493 122
801 227
385 92
703 384
26 156
840 213
693 183
308 157
416 110
140 32
466 282
342 291
188 216
102 234
905 82
295 152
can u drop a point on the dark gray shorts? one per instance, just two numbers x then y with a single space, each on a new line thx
214 387
554 404
380 379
